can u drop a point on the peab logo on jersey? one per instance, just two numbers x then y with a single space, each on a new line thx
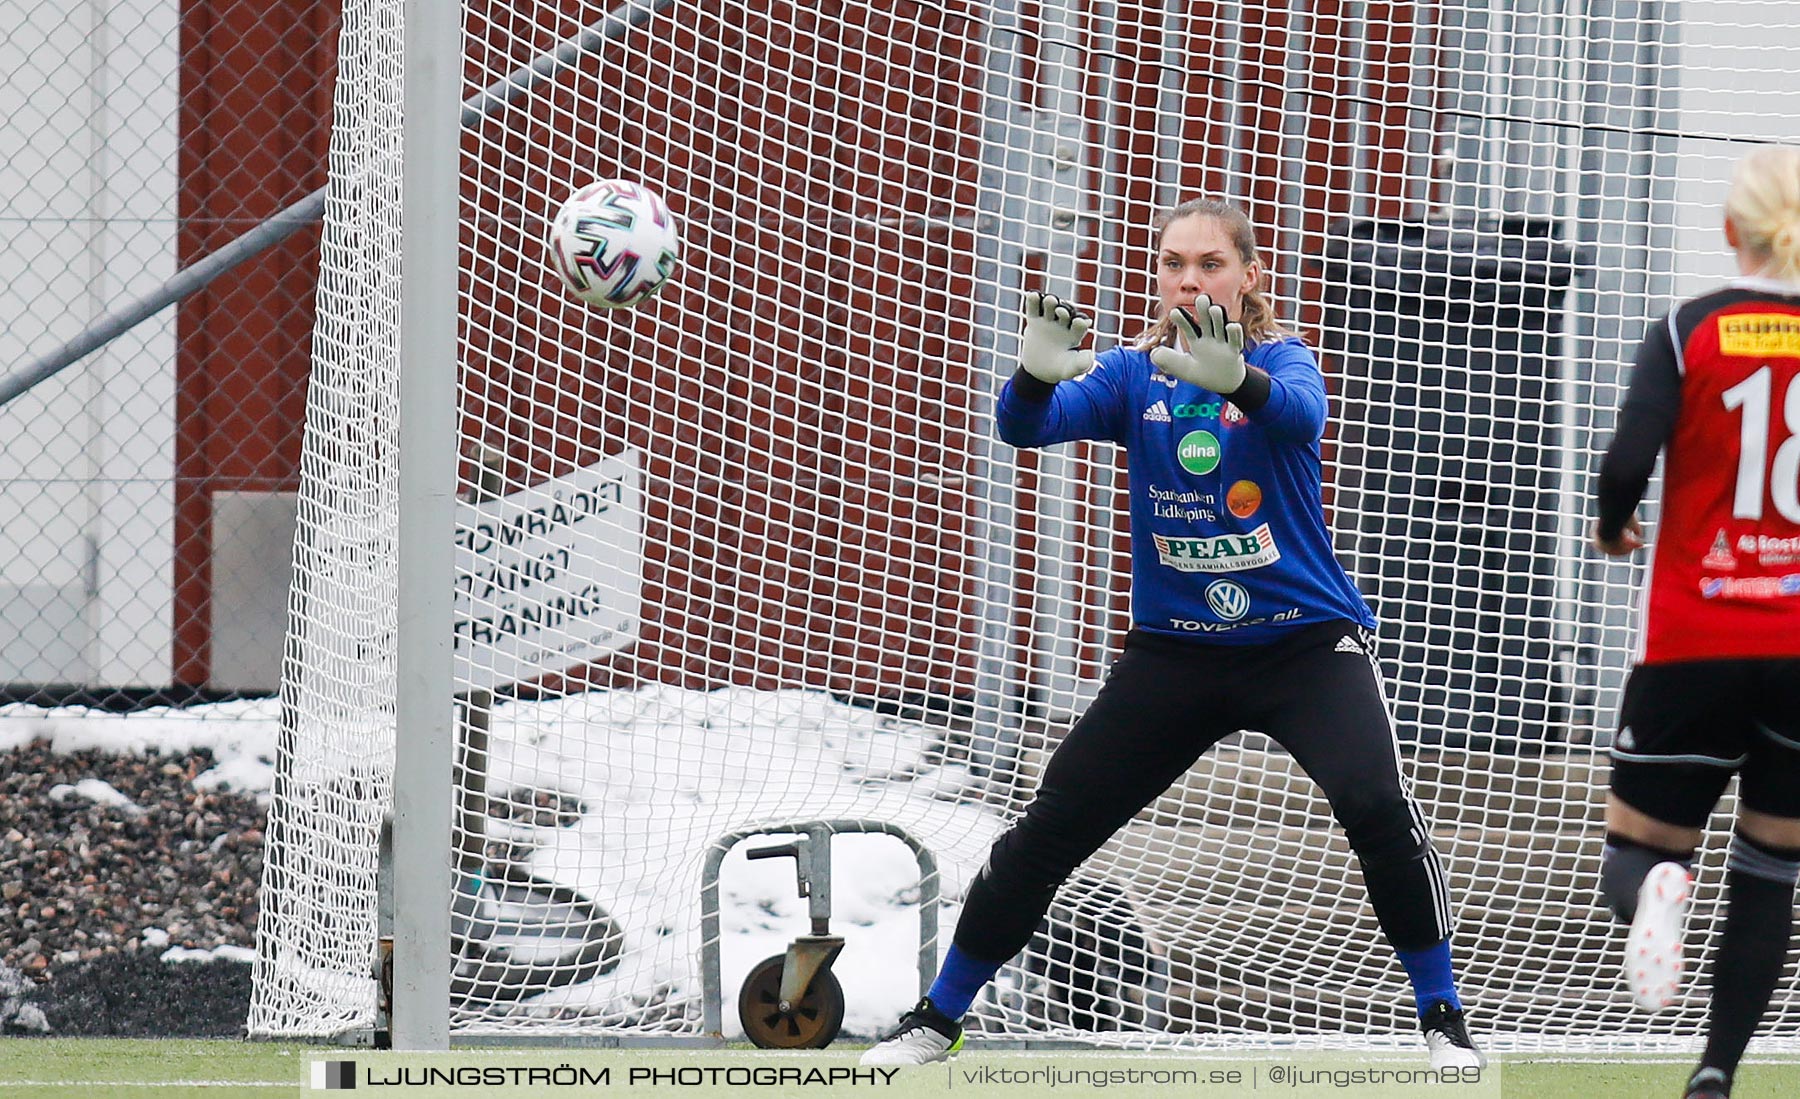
1224 553
1228 599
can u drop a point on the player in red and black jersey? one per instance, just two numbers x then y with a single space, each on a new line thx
1716 687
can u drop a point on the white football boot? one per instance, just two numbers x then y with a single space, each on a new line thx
1446 1031
1653 946
924 1035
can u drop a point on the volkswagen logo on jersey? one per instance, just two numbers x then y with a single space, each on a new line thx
1228 599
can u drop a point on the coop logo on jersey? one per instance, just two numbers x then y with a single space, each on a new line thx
1719 558
1198 452
1228 599
1760 335
1204 410
1224 553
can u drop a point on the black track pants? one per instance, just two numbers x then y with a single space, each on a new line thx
1166 701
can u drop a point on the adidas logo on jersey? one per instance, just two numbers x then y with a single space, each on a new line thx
1347 644
1158 413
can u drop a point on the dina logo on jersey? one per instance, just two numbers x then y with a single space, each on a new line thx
1198 452
1228 599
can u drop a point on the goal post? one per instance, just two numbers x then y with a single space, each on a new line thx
425 741
747 557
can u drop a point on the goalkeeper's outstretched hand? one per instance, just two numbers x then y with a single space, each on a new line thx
1212 351
1053 331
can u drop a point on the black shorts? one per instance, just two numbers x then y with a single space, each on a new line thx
1685 728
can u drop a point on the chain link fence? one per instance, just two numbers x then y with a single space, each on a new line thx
148 486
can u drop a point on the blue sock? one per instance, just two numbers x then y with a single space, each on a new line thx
1432 981
959 982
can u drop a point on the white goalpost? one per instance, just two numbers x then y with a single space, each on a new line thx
586 598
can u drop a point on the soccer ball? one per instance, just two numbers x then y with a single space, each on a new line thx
614 243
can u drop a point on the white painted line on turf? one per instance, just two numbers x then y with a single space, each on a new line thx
4 1084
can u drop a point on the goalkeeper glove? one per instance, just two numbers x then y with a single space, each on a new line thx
1214 350
1052 332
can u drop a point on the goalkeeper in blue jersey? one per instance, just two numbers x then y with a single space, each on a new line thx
1235 588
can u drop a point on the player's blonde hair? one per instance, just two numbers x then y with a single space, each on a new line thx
1257 315
1765 206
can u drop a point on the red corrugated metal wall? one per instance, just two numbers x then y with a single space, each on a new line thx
255 123
802 395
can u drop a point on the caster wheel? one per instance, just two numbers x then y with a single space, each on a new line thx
810 1024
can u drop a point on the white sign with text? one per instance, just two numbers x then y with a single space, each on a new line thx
550 577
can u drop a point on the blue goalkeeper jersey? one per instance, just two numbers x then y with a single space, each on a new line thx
1228 536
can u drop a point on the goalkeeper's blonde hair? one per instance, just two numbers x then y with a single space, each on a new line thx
1765 206
1257 315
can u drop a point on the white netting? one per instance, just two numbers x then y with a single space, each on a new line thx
827 594
334 777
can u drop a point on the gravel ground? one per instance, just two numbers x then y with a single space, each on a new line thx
107 862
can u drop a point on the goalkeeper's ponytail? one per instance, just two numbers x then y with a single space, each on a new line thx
1257 315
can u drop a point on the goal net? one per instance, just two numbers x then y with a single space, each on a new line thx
748 556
